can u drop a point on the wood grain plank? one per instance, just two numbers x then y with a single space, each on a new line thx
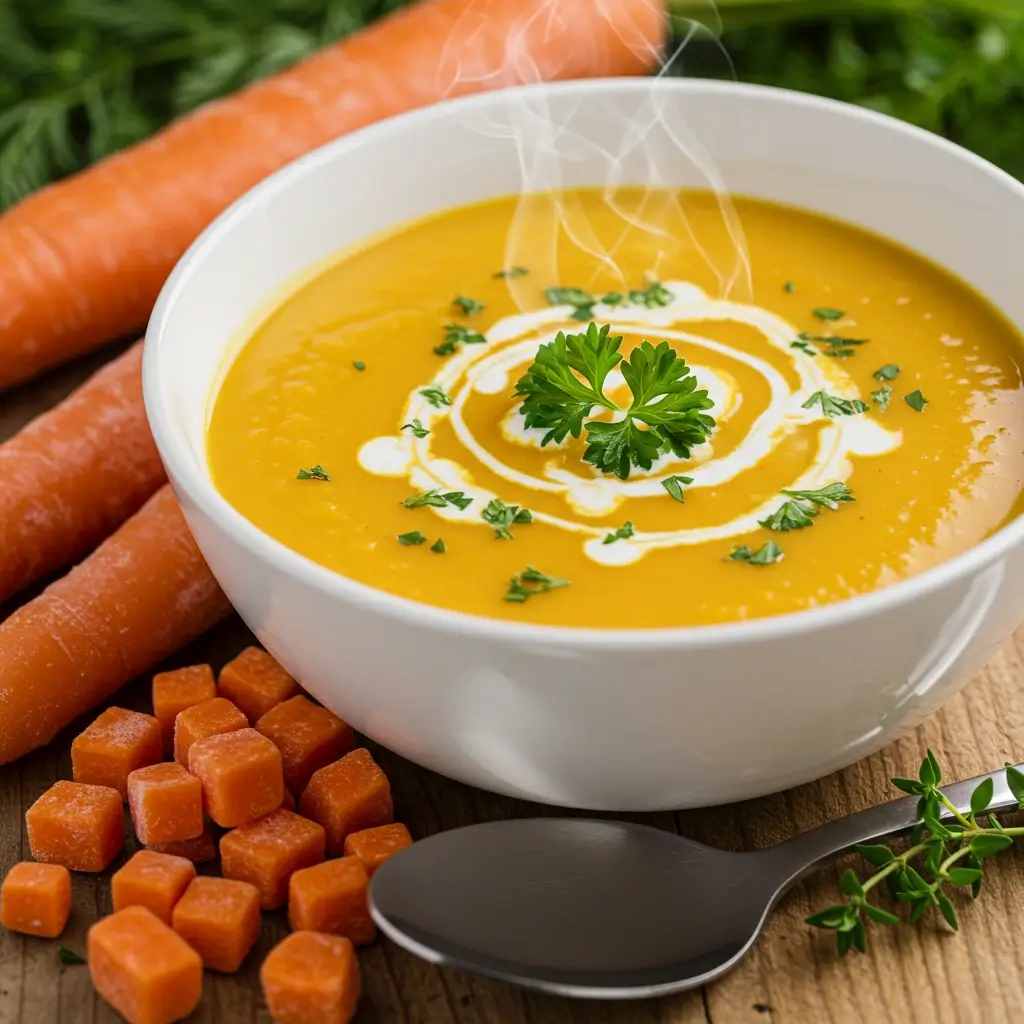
910 976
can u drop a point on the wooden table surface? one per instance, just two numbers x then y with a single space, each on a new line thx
923 975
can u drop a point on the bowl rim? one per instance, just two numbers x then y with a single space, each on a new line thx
199 489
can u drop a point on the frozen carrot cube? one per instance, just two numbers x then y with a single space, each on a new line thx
110 749
331 898
268 851
348 796
152 880
146 971
373 846
311 978
79 826
308 736
220 919
256 683
175 691
166 803
199 850
35 899
211 718
241 776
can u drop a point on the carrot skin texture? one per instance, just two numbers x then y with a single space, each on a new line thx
141 595
73 475
84 259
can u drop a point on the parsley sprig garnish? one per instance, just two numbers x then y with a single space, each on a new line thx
411 539
316 473
950 855
916 400
529 582
567 379
503 517
832 405
468 306
435 499
510 272
416 428
802 508
435 396
833 345
882 397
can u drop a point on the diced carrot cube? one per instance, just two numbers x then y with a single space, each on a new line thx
348 796
174 692
308 736
331 898
220 919
373 846
166 804
152 880
241 776
35 899
311 978
256 683
110 749
210 718
268 851
146 971
79 826
199 850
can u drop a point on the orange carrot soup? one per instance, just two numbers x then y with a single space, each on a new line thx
610 432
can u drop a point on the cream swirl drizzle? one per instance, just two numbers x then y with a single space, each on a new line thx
512 343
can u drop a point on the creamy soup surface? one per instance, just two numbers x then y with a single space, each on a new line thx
372 421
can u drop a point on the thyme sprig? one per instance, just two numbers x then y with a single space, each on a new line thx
949 855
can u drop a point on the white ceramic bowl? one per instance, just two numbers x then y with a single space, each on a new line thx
631 720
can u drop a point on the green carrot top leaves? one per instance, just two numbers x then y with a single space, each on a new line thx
566 382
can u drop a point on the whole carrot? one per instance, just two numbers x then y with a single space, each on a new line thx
82 261
75 473
137 598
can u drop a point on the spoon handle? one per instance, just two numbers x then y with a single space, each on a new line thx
804 852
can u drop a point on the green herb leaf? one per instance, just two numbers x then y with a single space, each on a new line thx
988 845
830 918
933 767
789 287
417 428
435 396
68 957
828 496
911 786
740 553
982 796
768 554
510 272
652 297
438 547
964 876
888 372
878 915
948 911
804 347
624 532
835 346
469 307
456 335
502 517
411 539
529 582
791 515
850 884
435 499
833 406
882 397
358 364
613 299
876 855
674 486
582 301
826 313
1015 780
316 473
916 400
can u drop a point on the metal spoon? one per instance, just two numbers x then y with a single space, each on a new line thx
604 909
